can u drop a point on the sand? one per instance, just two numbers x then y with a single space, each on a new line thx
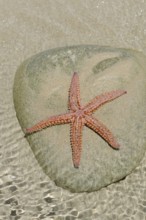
27 28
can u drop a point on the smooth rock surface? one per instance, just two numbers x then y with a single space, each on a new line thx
41 90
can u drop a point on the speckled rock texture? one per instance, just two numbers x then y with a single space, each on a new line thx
41 90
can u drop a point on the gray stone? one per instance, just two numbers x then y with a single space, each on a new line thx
41 90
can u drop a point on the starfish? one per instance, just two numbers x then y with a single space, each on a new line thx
78 116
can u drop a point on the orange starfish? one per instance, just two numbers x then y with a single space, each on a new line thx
78 116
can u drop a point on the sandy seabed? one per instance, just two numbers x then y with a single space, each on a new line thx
29 27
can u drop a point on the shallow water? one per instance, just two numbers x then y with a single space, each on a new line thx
28 28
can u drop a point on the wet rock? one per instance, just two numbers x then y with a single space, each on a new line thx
11 201
51 214
41 90
13 188
13 212
48 199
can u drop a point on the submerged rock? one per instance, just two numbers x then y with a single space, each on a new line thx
41 90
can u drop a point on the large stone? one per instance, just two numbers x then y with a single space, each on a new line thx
41 90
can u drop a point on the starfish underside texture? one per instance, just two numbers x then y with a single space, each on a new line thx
78 116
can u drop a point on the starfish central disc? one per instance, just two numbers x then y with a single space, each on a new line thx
78 116
80 113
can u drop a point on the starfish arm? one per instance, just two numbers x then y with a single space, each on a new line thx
102 99
53 120
74 93
76 140
102 130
